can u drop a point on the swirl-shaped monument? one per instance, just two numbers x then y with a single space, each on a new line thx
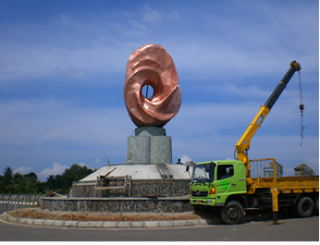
151 65
148 170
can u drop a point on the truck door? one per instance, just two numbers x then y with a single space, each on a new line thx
226 183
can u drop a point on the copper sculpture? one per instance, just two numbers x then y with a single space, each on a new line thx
151 65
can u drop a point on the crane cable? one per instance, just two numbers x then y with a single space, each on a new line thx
301 106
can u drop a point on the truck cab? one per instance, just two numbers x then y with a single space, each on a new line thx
213 182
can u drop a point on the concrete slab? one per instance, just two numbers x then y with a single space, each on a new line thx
109 224
22 220
137 224
192 222
49 222
70 223
177 223
12 219
202 222
82 224
4 216
139 172
58 223
38 222
151 224
124 224
29 221
95 224
165 223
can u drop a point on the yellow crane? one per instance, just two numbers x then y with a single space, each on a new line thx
243 144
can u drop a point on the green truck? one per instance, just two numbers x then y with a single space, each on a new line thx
223 185
233 186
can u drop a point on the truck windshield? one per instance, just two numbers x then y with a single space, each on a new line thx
201 173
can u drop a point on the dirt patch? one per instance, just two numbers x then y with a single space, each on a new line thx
37 213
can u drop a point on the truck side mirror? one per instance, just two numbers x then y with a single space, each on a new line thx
187 168
208 168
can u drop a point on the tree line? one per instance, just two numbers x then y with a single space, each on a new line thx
16 183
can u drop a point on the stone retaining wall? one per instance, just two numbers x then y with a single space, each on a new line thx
139 188
118 204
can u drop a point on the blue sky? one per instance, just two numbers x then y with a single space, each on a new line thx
62 71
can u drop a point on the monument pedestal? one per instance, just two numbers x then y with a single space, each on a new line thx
149 145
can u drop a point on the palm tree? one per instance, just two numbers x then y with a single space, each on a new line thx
8 170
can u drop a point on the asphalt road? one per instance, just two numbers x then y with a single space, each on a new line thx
306 229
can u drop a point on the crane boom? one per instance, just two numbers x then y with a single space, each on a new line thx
243 144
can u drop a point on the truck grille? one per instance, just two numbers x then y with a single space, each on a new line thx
199 193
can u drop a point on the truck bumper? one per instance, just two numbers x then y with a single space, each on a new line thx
203 201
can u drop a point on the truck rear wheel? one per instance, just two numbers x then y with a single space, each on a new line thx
305 207
232 213
316 206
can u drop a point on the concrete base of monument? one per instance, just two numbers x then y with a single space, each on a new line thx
149 188
128 188
134 180
149 145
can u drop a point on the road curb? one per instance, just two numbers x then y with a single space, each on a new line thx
105 224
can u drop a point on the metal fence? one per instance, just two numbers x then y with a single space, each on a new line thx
22 199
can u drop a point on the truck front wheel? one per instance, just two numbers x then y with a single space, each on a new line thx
305 207
232 213
196 208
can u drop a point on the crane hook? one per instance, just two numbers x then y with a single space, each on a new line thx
301 106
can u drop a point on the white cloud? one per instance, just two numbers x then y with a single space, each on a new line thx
220 60
210 132
50 120
286 149
83 164
62 132
185 159
151 15
64 18
109 42
138 25
55 170
23 170
204 51
71 71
